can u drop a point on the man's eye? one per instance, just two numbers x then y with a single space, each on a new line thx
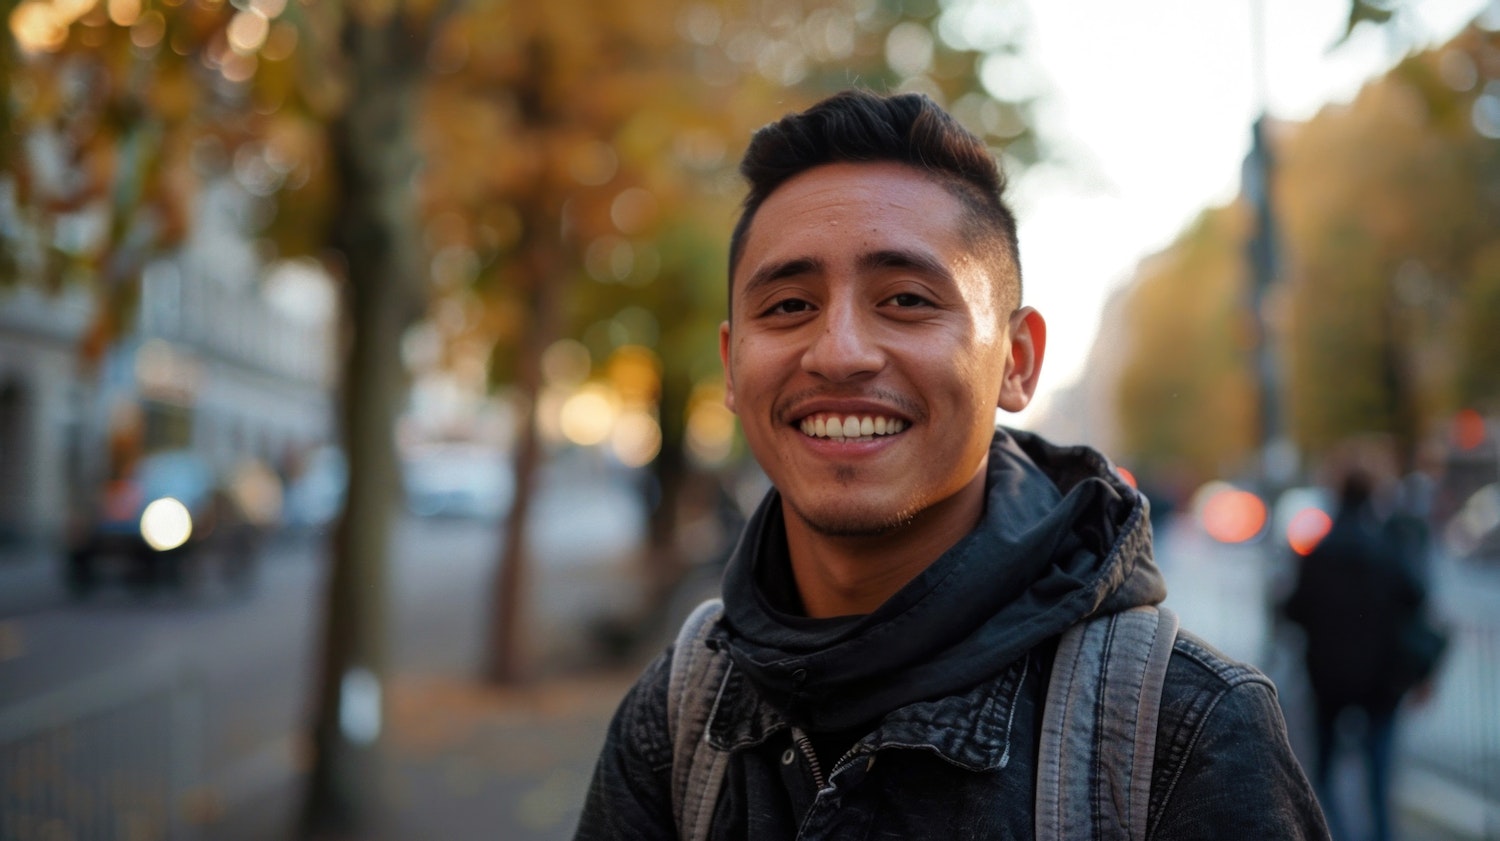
908 299
789 307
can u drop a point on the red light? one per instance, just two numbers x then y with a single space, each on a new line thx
1127 476
1307 529
1468 429
1233 516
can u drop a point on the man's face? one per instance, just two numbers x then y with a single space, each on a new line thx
867 349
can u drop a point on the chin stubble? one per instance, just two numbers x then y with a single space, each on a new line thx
851 525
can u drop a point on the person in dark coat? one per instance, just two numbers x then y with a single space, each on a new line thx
1353 595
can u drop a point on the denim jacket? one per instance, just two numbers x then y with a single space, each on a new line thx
959 764
960 767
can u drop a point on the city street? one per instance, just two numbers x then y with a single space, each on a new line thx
198 696
196 700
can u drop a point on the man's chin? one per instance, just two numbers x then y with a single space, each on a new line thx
834 521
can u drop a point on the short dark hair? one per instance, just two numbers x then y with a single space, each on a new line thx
860 126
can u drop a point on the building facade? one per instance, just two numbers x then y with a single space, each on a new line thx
224 356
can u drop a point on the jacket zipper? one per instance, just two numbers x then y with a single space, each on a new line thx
804 744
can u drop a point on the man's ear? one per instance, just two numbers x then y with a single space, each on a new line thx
1023 365
724 358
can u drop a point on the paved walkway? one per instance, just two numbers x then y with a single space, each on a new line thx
472 762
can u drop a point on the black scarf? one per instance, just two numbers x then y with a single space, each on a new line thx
1061 538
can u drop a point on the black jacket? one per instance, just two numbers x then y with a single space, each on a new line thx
921 720
1353 594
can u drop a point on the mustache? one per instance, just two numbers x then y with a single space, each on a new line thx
787 409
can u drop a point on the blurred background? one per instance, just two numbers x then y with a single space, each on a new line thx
361 422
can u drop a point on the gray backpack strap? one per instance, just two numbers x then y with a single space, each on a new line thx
697 677
1093 778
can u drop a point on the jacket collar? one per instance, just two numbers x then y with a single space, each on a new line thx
975 730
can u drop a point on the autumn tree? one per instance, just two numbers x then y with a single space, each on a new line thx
1186 396
1390 209
1384 317
131 109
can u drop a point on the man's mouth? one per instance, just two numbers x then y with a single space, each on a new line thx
850 427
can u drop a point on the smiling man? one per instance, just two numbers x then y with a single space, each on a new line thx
932 627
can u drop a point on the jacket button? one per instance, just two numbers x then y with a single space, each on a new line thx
799 677
788 757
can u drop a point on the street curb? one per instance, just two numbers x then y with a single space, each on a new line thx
1442 802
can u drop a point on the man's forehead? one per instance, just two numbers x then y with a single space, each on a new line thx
889 182
890 200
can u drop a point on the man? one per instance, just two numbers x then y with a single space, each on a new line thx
1355 594
892 609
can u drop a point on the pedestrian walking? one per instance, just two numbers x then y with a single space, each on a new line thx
1360 604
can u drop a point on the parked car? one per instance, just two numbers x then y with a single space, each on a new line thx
171 513
458 480
315 492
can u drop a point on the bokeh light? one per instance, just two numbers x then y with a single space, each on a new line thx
148 29
635 373
166 524
248 31
1307 529
566 362
636 438
1230 515
124 12
1468 429
710 426
37 27
588 417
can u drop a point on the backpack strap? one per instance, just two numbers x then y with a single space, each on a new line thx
1098 743
696 682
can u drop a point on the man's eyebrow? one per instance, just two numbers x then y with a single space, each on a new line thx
904 259
890 258
784 269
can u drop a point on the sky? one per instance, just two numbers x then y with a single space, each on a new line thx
1148 105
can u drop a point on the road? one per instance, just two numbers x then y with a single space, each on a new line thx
159 715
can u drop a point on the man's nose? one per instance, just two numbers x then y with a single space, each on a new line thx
844 347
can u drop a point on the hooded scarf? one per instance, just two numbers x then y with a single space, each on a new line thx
1061 538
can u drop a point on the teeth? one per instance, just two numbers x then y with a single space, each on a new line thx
840 428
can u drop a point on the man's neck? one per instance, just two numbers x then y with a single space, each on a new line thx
847 576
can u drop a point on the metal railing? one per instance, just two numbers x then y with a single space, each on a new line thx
1454 735
113 756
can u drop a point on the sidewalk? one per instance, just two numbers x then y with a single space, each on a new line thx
472 762
30 578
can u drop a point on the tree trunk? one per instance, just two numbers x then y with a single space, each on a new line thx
508 650
374 156
1401 387
664 562
544 278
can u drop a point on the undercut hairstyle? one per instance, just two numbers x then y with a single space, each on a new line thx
857 126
